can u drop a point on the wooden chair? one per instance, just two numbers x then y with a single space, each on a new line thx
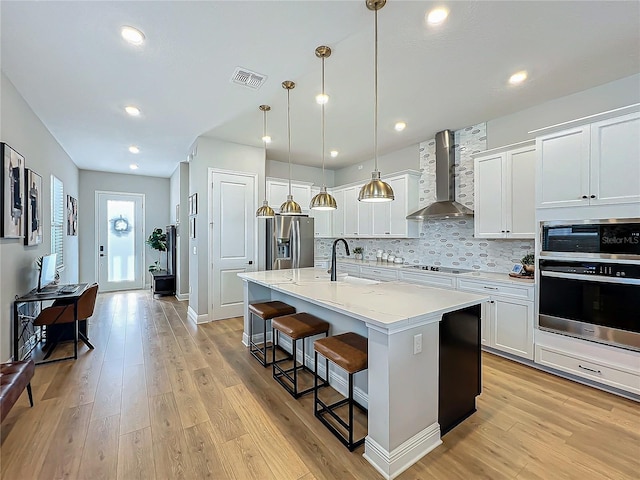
62 312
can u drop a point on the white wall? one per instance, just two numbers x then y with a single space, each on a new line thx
156 215
212 153
179 187
407 158
302 173
513 128
23 131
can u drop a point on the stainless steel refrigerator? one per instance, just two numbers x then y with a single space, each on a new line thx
289 242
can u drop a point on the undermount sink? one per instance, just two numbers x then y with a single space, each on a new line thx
345 278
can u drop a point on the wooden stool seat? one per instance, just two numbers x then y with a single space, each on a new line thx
298 326
265 311
348 351
269 310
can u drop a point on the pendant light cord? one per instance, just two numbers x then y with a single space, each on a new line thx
289 135
264 135
375 96
324 178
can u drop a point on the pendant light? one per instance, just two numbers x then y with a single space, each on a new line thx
323 200
290 207
265 211
376 190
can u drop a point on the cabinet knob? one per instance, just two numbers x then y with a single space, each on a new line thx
584 196
593 196
503 231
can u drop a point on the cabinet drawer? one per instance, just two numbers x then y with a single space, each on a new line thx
608 374
488 287
432 280
378 273
349 268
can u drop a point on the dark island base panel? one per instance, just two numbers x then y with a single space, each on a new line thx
460 363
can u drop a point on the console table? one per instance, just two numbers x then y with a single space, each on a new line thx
163 283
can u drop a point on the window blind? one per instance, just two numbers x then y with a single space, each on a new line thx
57 220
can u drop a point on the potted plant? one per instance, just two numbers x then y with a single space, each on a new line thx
157 241
358 251
529 262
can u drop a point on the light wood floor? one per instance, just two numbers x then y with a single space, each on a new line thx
162 398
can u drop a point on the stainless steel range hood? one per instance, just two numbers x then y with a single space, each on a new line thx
445 205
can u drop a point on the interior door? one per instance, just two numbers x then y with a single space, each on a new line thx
233 240
120 241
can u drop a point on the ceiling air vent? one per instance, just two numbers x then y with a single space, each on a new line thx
247 78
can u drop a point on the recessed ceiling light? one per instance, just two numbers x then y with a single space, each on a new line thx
134 149
133 166
333 153
400 126
437 16
131 110
518 77
266 139
132 35
322 98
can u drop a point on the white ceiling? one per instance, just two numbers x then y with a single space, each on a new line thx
68 61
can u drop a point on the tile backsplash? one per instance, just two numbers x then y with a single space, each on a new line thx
446 242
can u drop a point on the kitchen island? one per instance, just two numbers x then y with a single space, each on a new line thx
424 353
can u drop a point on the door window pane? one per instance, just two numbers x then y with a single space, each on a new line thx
120 241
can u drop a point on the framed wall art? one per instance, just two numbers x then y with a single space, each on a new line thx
72 216
33 218
12 199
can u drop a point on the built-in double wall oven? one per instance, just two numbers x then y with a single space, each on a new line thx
590 281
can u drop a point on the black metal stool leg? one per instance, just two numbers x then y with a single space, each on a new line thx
30 393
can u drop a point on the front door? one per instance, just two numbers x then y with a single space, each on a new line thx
120 242
233 243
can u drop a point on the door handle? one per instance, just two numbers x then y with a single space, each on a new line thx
250 262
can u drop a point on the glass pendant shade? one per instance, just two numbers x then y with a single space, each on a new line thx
376 190
323 201
265 211
290 207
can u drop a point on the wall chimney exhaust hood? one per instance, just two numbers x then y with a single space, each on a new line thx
445 205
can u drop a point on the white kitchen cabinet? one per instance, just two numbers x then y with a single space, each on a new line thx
615 161
278 189
351 211
384 219
504 193
590 361
348 268
322 219
375 273
508 317
405 189
594 164
337 229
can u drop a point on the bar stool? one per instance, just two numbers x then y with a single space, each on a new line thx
349 352
266 311
298 326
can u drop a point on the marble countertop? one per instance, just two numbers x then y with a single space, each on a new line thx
480 275
389 305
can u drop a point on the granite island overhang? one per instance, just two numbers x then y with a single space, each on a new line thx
402 389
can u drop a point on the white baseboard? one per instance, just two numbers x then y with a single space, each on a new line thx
182 296
195 318
391 464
